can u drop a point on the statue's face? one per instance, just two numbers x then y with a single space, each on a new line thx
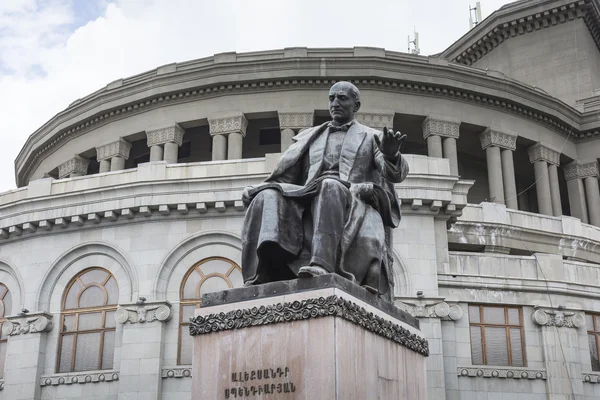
342 105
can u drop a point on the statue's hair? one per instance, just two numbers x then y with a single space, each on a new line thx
348 86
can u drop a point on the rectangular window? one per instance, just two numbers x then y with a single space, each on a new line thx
593 327
497 336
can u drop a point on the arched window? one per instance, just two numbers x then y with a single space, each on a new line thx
207 276
5 309
87 337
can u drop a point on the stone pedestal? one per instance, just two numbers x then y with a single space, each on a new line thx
318 338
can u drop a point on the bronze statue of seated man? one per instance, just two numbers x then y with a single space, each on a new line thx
328 203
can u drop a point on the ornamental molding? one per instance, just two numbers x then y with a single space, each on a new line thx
582 171
76 164
169 134
79 378
440 127
227 125
295 120
33 323
176 372
118 148
558 318
539 152
441 310
376 120
501 372
142 313
492 137
332 306
528 24
591 377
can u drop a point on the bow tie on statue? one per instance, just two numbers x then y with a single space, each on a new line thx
341 128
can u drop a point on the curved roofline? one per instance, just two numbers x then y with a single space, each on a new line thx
282 69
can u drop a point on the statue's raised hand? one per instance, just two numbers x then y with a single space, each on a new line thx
390 143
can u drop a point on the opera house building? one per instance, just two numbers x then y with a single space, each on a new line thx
128 209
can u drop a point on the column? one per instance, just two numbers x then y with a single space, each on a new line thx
76 166
498 148
587 175
292 123
141 350
576 190
164 143
113 155
228 136
441 135
25 355
555 190
541 157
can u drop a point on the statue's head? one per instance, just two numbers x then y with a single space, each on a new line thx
344 102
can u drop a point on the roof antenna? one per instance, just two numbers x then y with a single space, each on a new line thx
478 18
415 41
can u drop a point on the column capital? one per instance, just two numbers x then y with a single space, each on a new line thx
580 171
118 148
440 127
295 120
30 323
492 137
558 318
76 164
227 125
144 312
376 120
173 133
539 152
443 310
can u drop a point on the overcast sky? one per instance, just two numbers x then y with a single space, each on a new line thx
55 51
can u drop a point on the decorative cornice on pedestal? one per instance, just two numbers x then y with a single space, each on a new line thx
227 125
440 127
118 148
492 137
76 164
31 323
81 378
437 310
558 318
376 120
295 120
177 372
580 171
145 312
483 371
538 152
173 133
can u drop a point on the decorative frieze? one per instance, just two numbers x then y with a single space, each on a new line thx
118 148
332 306
224 126
440 127
144 312
492 137
79 378
169 134
538 152
76 165
176 372
501 372
33 323
376 120
294 120
581 171
558 318
591 377
442 310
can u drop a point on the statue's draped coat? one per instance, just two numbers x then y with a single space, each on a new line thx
280 207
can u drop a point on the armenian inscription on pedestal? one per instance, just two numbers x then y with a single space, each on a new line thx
260 381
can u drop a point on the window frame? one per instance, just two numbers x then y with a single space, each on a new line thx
183 302
482 325
596 332
3 320
77 312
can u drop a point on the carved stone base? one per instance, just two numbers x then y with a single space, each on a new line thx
317 338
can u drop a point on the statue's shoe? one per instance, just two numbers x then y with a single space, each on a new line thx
310 271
